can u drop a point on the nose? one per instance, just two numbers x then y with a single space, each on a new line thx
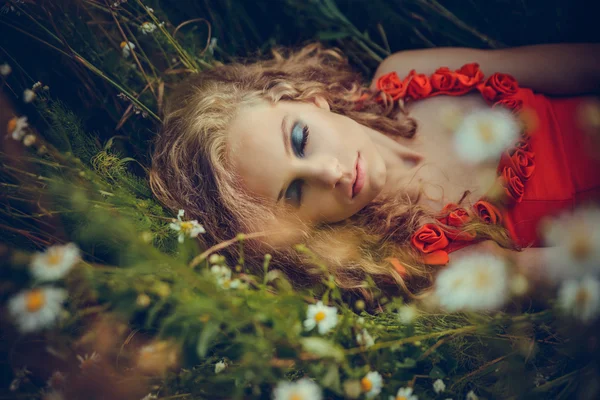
325 170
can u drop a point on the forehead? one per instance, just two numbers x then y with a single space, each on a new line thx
256 151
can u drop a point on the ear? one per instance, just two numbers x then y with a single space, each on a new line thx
321 103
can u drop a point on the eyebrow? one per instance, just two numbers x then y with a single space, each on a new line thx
286 145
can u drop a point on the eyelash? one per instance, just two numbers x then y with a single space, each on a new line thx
299 153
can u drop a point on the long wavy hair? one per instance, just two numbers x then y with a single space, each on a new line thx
190 171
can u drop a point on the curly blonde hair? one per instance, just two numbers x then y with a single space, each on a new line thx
190 171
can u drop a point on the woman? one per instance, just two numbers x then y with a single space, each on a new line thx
296 147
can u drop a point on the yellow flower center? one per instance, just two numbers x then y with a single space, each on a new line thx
483 280
320 316
295 396
35 300
227 283
12 125
400 398
54 258
582 297
581 247
486 132
186 226
366 384
123 44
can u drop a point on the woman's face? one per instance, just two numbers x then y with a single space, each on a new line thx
303 158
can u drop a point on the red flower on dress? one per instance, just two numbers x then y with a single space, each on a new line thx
498 86
429 238
392 85
489 213
521 160
469 75
456 216
443 80
419 85
513 185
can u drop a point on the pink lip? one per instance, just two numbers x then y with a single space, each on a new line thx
359 180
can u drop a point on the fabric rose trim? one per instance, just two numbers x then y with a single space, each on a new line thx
489 213
392 85
498 86
429 238
419 85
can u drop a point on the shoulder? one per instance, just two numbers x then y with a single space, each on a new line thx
427 61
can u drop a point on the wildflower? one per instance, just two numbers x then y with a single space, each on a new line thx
580 298
519 285
304 389
55 262
29 139
574 240
212 45
186 228
147 28
439 386
126 48
322 316
16 127
36 308
352 389
404 394
57 380
220 366
407 314
28 95
88 361
5 69
483 135
143 300
371 384
36 86
223 275
472 396
476 282
364 338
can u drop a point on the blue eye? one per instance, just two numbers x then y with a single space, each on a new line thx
294 192
299 137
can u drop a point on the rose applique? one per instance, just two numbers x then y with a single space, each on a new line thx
392 85
429 238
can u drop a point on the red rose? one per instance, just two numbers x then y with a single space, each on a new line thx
513 185
429 238
454 215
419 85
513 102
469 75
443 79
488 212
498 86
392 85
521 160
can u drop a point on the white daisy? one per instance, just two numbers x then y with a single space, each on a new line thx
580 298
220 366
407 314
404 394
5 69
55 262
574 240
126 48
17 127
28 95
147 28
472 396
364 338
371 384
304 389
29 139
439 386
475 282
483 135
186 228
320 315
37 308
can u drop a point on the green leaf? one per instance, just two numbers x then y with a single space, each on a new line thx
437 373
208 334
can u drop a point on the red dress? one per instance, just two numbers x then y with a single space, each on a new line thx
553 166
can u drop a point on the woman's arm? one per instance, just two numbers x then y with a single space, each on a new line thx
559 69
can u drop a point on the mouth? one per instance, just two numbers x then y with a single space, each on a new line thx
359 177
